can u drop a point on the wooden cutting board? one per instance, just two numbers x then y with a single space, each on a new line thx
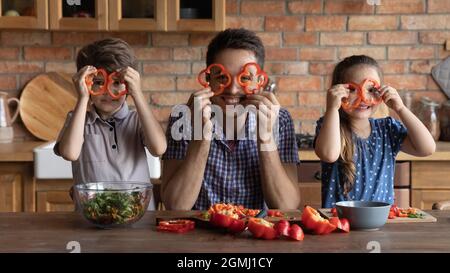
45 102
290 215
428 218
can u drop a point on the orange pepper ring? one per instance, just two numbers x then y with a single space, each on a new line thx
89 82
244 72
376 85
346 104
110 79
223 71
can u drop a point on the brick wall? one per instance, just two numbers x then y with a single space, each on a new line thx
304 39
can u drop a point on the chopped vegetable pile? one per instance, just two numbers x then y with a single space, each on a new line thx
111 208
400 212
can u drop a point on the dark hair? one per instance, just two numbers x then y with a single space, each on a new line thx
236 38
109 54
348 170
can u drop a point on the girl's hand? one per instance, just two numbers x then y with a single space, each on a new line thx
79 80
335 95
392 98
133 80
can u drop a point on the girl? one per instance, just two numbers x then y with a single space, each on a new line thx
358 152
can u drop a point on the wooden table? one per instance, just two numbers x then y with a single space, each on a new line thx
51 232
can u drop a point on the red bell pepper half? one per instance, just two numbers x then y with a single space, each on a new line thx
340 224
262 229
230 222
313 222
176 226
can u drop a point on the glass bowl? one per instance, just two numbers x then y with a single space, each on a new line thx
112 204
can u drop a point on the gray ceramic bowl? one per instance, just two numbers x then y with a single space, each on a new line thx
366 215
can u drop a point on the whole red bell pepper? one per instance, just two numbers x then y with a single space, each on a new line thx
340 224
262 229
315 223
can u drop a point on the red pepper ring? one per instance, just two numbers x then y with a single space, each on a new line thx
176 226
346 103
111 80
89 80
207 71
245 72
374 100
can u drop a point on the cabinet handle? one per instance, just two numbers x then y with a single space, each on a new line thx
318 175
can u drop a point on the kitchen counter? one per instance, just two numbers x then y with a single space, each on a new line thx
442 154
51 232
23 151
18 151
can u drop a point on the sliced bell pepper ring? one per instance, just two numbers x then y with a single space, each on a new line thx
260 75
89 80
296 233
202 77
176 226
315 223
374 99
340 224
113 78
262 229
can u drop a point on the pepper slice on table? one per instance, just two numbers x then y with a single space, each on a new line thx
262 229
176 226
315 223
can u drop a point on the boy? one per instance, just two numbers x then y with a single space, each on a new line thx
199 173
107 142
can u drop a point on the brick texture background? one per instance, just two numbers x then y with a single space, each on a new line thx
304 40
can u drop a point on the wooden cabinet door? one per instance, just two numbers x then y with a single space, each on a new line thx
86 15
430 175
51 201
192 15
16 187
309 174
53 195
138 15
33 14
424 199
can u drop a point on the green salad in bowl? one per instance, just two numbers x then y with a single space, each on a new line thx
110 204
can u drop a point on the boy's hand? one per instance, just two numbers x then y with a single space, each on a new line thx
391 98
79 80
133 80
335 95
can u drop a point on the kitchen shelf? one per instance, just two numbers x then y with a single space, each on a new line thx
188 15
150 15
88 16
33 14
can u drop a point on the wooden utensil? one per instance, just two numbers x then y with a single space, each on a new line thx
45 102
426 219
